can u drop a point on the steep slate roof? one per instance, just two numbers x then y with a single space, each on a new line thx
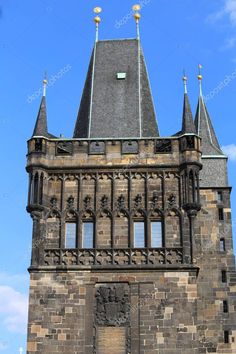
112 108
210 144
41 127
187 122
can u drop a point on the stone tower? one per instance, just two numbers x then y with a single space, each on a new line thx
132 240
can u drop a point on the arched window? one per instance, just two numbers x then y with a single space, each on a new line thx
87 230
157 240
70 235
87 234
139 234
36 186
41 190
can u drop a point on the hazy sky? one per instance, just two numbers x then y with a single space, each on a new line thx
58 36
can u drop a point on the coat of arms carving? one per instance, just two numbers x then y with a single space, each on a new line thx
112 305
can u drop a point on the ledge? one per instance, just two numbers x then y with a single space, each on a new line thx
120 269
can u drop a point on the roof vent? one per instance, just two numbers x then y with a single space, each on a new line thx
121 76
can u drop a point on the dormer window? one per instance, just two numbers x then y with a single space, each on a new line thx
121 76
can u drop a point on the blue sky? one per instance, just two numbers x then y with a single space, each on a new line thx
51 35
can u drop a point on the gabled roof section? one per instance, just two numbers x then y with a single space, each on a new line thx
205 129
188 126
117 100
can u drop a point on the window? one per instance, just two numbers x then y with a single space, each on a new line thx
70 241
226 337
156 234
222 245
224 276
88 235
121 76
36 186
139 234
221 214
219 197
225 306
41 190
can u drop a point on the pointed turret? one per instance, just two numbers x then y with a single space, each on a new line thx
204 127
214 172
41 127
188 126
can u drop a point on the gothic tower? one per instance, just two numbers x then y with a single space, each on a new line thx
132 240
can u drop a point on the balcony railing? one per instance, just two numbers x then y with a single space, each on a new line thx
113 257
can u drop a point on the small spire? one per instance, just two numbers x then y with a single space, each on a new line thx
97 19
137 17
41 127
45 83
185 80
200 78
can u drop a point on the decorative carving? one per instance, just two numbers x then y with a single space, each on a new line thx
87 202
163 146
71 202
155 199
104 202
172 203
174 257
53 202
121 202
69 258
139 257
86 258
104 257
52 258
138 201
113 257
112 306
121 257
157 257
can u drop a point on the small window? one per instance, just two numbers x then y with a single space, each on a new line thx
70 235
222 245
224 276
139 234
219 197
36 186
221 214
156 234
121 76
226 337
88 235
225 306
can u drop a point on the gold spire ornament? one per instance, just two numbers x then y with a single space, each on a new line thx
185 80
137 17
45 83
97 19
200 77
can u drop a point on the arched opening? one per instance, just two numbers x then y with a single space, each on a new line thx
36 188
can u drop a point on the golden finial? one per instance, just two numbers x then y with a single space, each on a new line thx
45 82
97 19
200 78
199 72
136 8
185 80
